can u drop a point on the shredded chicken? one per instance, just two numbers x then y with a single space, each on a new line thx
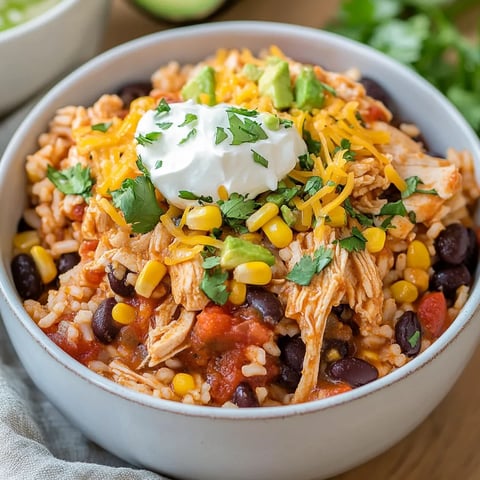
186 278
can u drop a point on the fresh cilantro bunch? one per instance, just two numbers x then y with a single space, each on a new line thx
423 35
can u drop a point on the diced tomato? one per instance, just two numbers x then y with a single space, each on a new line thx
432 313
94 276
328 389
87 248
374 113
77 212
224 374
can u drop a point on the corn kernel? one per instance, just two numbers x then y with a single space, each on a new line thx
183 383
278 232
204 218
418 277
149 278
375 239
252 273
238 292
222 192
395 178
337 217
418 256
259 218
123 313
44 263
404 292
24 241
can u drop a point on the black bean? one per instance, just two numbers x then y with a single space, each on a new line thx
104 326
452 244
120 285
449 278
408 333
26 277
352 370
244 396
67 261
288 378
471 259
340 346
292 351
392 194
375 90
130 92
266 303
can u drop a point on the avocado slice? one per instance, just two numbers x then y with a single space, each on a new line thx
308 90
203 82
275 83
236 251
179 11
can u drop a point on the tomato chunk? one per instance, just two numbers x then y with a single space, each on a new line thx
432 313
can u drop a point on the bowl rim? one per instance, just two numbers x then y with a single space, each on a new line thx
58 355
43 19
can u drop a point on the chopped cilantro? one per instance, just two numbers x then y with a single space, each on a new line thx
164 125
148 138
387 223
355 243
189 118
75 180
345 144
190 135
162 107
306 162
412 216
220 135
257 158
158 164
394 208
313 185
211 262
364 220
412 187
102 127
141 166
304 270
282 195
243 111
246 131
236 210
313 146
286 123
136 199
213 285
413 340
329 89
186 195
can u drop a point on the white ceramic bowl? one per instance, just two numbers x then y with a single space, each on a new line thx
37 52
312 440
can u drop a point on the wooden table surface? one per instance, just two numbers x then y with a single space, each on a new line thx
446 445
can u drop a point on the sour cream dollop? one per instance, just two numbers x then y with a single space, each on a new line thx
196 148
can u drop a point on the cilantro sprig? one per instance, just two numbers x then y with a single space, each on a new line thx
423 35
412 187
355 242
136 199
236 210
75 180
304 270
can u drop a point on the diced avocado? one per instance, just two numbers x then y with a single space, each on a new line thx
252 72
275 83
308 90
236 251
202 83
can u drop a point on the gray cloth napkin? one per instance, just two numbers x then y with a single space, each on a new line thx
36 441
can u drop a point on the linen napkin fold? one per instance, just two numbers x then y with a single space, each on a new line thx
36 441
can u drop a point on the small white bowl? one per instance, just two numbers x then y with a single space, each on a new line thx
35 53
305 441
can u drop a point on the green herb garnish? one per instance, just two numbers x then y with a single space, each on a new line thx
313 146
213 285
186 195
244 131
190 135
236 210
412 187
220 135
136 199
189 118
101 127
345 144
363 219
164 125
394 208
306 162
257 158
162 107
75 180
304 270
355 243
148 138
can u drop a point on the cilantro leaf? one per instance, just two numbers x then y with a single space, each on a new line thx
136 199
412 187
313 185
244 131
363 219
306 162
313 146
243 111
414 339
190 135
102 127
189 118
394 208
75 180
164 125
220 135
211 262
186 195
282 195
236 210
345 144
286 123
257 158
213 285
355 243
142 167
162 107
148 138
304 270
